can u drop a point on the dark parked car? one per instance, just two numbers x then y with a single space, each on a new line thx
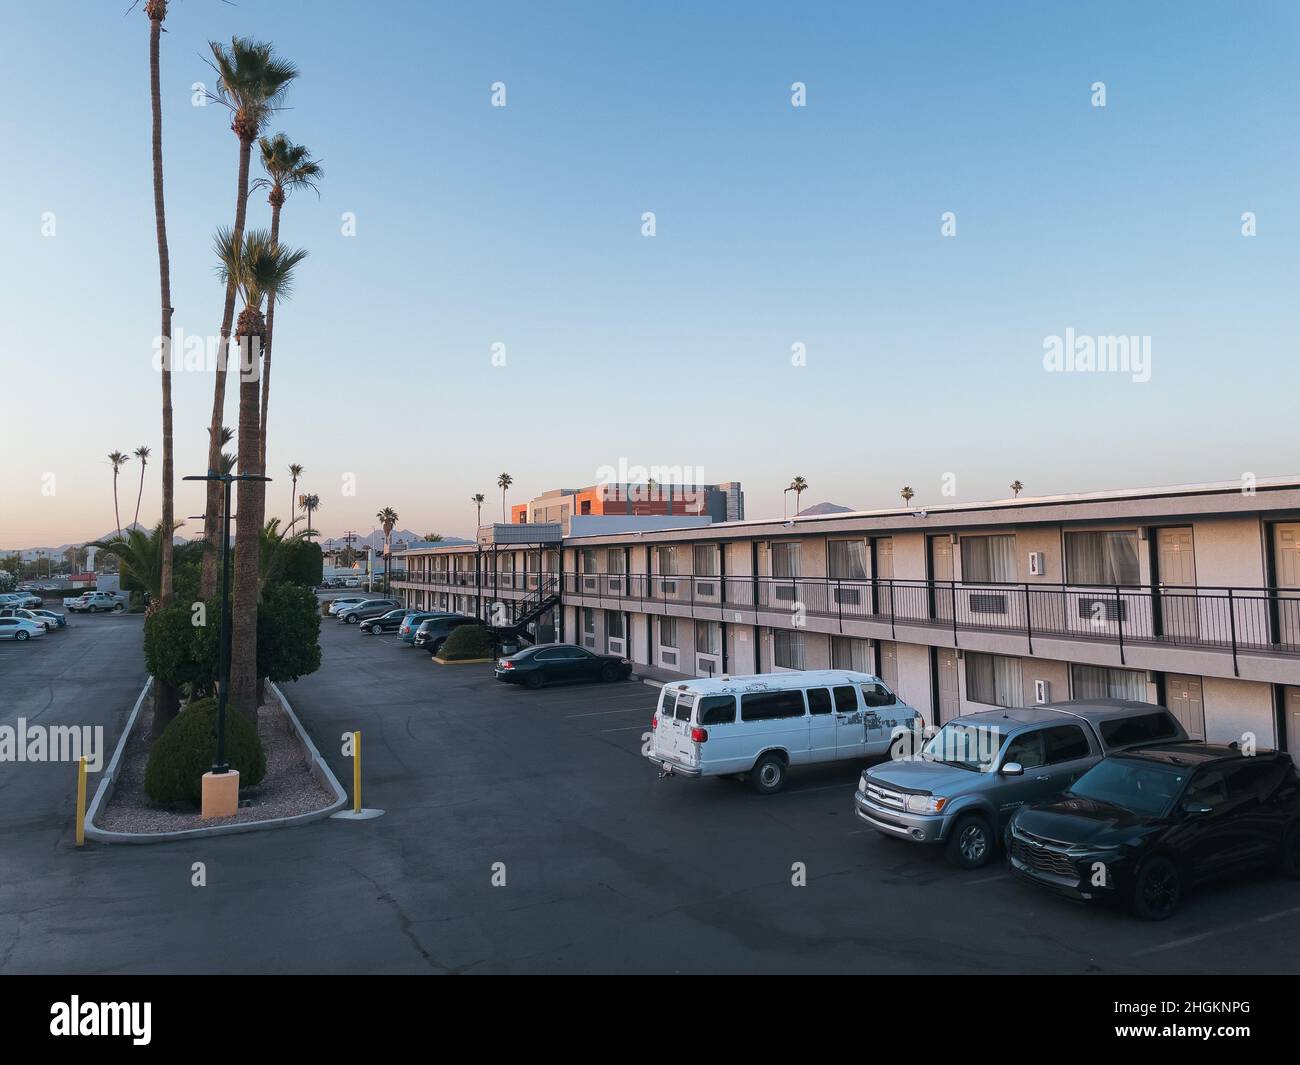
536 666
1145 826
367 608
389 622
433 632
411 623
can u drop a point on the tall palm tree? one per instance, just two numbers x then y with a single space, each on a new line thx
288 167
798 486
478 499
309 503
907 493
388 521
156 12
295 471
117 459
257 266
251 83
142 453
503 482
1016 488
139 556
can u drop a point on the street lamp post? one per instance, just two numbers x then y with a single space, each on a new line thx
223 654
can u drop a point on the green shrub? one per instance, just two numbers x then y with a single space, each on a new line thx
188 747
288 633
304 563
176 650
468 641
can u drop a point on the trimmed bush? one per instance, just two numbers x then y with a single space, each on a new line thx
468 641
288 633
188 747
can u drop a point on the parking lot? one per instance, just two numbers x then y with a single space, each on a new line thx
605 867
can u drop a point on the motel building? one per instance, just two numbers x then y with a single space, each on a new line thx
1187 596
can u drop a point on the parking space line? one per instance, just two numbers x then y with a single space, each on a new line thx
988 879
627 728
1175 943
598 713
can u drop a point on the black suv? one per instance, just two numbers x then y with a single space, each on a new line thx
433 632
1146 825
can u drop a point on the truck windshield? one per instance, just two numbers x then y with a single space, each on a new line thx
1139 787
972 747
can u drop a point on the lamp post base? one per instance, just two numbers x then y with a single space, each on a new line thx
220 794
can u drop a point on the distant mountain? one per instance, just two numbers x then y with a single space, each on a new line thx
824 508
29 554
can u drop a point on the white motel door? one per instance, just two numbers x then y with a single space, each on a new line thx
1178 604
949 686
1183 695
1286 559
1293 723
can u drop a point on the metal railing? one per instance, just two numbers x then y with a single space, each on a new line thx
1215 618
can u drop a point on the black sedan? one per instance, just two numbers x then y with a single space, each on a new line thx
1145 826
389 622
536 666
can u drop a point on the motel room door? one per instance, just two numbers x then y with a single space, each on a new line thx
1292 708
941 572
1179 607
1286 562
1185 701
949 686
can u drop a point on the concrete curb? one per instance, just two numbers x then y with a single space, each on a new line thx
462 661
319 769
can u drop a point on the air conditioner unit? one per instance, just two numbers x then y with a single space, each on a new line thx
1037 564
1042 691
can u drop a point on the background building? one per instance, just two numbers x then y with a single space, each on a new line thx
720 502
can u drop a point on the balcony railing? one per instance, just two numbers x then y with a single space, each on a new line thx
1228 619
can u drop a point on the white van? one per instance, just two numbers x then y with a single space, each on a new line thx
763 725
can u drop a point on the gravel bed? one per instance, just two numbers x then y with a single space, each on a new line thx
287 789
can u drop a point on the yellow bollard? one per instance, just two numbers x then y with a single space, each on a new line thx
81 801
356 772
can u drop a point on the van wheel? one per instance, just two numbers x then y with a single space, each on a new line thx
768 774
1157 890
971 844
1291 851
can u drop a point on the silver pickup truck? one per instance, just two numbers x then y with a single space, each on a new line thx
94 602
962 788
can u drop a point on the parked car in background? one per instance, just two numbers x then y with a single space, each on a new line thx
19 629
95 602
20 600
411 623
389 622
367 608
57 620
433 632
344 601
560 663
963 787
33 616
1145 826
352 582
766 724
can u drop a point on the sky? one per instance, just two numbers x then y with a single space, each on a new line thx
778 230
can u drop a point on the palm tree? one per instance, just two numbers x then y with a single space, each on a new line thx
117 459
388 521
288 167
309 503
139 555
907 493
503 482
272 551
1016 488
256 266
295 471
798 486
142 453
478 499
251 83
156 12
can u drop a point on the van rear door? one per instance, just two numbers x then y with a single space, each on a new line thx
673 736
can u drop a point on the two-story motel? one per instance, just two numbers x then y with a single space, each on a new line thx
1187 596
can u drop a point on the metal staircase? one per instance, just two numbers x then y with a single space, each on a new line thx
546 596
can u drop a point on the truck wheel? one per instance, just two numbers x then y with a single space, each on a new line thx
971 843
118 608
1157 890
768 775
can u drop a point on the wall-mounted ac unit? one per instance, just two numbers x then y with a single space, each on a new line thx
1037 564
1042 691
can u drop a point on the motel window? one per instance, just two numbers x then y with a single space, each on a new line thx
848 653
848 559
706 560
993 679
787 650
588 620
785 560
988 559
1102 558
708 637
613 624
1101 682
614 560
667 632
588 555
668 560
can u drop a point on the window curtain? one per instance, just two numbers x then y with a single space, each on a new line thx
787 650
848 653
706 560
988 559
668 561
848 559
1102 558
708 638
994 679
785 560
1099 682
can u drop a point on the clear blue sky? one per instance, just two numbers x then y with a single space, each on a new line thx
776 225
